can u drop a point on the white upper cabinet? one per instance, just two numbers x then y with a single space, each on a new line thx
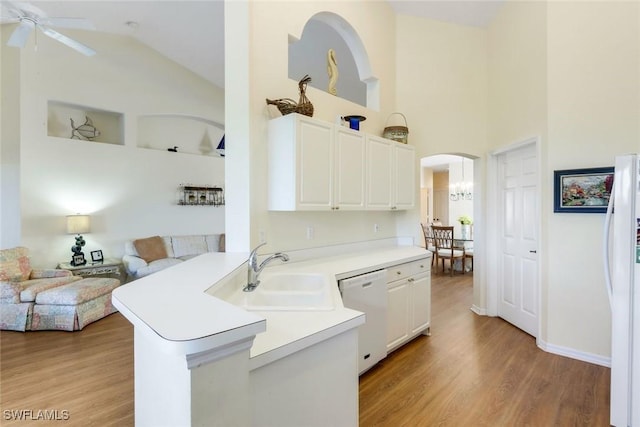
379 173
390 174
314 165
405 177
349 190
301 153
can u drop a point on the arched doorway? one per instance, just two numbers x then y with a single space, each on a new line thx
447 189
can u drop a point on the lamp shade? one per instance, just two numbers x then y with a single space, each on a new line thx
77 224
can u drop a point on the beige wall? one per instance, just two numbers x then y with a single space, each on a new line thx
567 72
442 89
271 24
593 114
441 180
517 52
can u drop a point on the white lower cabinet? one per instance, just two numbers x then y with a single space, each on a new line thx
408 302
397 313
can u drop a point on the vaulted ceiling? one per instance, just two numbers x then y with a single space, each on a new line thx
192 32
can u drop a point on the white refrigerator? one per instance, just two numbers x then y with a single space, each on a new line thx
622 265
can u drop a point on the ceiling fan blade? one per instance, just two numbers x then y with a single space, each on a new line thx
73 44
75 23
21 34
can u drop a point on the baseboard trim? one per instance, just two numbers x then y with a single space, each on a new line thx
479 311
574 354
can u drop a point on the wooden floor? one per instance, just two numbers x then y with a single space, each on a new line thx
480 371
85 376
472 371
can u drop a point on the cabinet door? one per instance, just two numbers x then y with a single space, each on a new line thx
379 173
314 158
397 313
405 177
300 161
350 169
421 303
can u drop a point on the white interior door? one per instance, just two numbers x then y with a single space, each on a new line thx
518 295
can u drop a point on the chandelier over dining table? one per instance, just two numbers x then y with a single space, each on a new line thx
461 190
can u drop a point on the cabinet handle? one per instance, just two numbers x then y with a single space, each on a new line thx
398 272
410 279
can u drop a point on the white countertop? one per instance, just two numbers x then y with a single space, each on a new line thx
286 331
173 307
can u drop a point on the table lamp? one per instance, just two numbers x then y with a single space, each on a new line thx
77 224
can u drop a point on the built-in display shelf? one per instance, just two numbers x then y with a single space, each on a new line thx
181 133
73 121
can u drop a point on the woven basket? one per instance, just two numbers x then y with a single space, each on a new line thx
397 133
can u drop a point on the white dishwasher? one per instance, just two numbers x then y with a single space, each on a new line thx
368 293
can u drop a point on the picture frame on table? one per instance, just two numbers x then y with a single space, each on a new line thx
78 260
96 256
582 190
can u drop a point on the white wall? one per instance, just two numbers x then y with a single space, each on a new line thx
128 191
9 145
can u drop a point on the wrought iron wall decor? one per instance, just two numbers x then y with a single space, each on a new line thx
192 195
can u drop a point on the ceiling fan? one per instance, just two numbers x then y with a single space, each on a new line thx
30 17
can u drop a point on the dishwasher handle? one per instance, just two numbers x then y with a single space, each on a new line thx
364 280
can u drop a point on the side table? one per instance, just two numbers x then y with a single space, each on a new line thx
110 267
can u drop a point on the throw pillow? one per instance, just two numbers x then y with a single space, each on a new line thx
151 248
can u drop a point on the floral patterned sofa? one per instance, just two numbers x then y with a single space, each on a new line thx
43 299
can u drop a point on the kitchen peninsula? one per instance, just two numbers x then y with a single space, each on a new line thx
200 360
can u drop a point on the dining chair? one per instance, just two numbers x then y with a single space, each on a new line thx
468 253
429 243
445 249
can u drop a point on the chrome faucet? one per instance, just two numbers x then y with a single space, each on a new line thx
254 270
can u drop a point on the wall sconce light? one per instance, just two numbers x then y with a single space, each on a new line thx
461 190
77 224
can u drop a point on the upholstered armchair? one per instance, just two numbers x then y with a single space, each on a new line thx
20 284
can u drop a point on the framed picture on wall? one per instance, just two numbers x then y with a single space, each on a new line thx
582 190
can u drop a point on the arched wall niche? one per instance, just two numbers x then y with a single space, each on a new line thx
308 55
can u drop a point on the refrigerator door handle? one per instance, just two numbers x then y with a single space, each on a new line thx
607 229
